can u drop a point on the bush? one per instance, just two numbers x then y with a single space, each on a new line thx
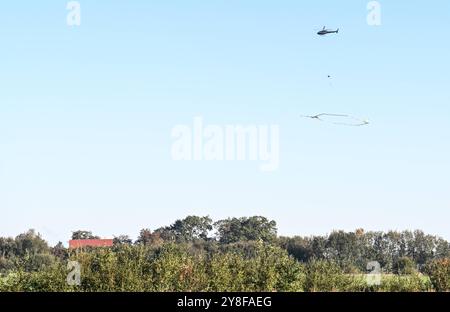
439 272
50 279
404 266
323 275
171 267
405 283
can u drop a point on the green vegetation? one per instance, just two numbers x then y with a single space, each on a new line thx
244 254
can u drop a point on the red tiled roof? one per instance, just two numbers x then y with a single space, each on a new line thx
79 243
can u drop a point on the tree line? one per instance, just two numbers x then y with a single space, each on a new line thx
244 253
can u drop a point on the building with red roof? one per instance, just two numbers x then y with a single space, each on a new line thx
82 243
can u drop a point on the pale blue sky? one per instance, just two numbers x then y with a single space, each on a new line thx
86 114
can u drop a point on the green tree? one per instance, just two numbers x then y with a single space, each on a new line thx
122 240
404 266
7 247
188 229
246 229
191 228
30 243
60 252
146 237
83 235
439 272
299 247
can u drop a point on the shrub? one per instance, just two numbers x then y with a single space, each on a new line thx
415 282
439 272
404 266
323 275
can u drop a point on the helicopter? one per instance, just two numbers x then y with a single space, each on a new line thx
325 31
